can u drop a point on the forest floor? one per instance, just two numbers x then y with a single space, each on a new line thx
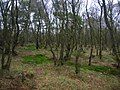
34 70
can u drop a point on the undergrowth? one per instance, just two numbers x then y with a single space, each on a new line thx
28 47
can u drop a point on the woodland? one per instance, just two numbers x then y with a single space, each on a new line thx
59 45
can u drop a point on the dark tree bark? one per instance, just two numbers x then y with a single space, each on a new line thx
91 36
100 31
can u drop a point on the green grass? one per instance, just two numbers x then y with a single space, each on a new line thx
103 69
36 59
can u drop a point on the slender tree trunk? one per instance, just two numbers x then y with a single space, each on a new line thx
76 65
90 57
3 59
100 33
61 54
91 36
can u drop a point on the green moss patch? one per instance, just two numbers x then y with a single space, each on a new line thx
36 59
